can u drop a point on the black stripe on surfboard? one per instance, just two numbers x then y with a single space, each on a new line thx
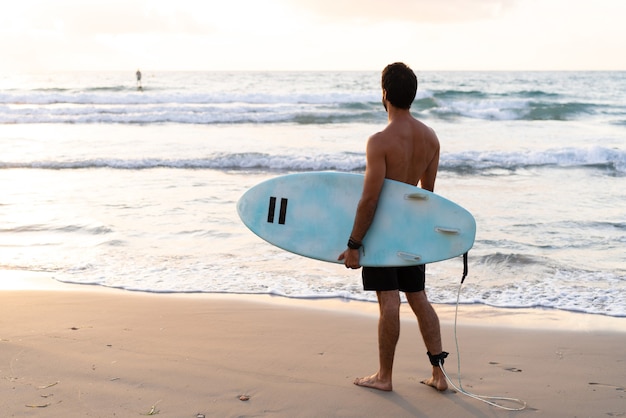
271 210
283 211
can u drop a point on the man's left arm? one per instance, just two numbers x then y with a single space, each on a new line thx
375 170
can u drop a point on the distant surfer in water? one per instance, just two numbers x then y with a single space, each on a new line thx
408 151
138 74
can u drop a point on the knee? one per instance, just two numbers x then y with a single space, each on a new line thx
417 298
418 302
390 306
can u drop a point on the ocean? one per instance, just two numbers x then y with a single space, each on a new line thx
106 184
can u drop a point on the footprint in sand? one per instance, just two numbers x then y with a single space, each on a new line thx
607 386
508 369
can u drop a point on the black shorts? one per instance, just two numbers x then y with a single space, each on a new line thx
405 279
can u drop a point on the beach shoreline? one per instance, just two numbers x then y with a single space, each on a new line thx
76 351
466 315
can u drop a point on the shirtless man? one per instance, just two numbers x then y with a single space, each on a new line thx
407 151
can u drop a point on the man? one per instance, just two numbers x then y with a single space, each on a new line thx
407 151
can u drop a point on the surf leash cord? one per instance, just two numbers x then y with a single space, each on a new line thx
490 400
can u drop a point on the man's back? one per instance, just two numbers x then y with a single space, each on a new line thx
410 150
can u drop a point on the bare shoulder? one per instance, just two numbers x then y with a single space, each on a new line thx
427 132
380 136
379 141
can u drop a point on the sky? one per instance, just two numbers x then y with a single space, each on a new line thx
225 35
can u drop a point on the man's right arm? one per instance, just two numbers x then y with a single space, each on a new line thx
427 181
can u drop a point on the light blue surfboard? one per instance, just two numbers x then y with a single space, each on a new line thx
311 214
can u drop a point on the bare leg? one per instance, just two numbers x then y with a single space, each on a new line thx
431 333
388 335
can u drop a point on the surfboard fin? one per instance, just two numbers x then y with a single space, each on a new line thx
416 196
408 256
444 230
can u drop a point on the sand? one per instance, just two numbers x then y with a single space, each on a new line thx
82 351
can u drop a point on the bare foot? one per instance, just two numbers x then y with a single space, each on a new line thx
438 381
373 382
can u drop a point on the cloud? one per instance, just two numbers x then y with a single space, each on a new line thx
422 11
39 34
75 17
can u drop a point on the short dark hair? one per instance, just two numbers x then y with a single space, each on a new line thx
400 83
